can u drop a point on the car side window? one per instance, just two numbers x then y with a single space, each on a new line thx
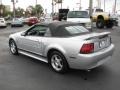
37 30
32 31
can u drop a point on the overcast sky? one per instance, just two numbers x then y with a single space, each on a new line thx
66 4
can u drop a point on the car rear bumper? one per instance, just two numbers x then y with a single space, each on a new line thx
89 61
16 25
3 25
89 28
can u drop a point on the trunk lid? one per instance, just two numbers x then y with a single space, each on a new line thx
100 40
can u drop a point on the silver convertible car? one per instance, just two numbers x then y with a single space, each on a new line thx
63 45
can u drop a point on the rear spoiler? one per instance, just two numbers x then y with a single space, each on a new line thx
99 35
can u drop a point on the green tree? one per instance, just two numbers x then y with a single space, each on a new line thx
34 11
19 12
39 10
4 12
31 11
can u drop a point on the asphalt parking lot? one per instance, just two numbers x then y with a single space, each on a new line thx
24 73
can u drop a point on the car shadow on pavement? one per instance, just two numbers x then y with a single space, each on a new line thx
97 73
103 72
3 27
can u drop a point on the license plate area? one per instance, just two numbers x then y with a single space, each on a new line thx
103 43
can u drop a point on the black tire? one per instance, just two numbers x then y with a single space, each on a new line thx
100 23
63 62
13 47
5 26
22 25
109 24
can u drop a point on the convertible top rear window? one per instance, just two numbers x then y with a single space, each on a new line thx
76 29
70 30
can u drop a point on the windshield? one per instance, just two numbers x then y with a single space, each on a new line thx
78 14
99 10
15 19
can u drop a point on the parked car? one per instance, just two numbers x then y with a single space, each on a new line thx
81 17
32 21
23 20
63 45
9 21
3 22
16 22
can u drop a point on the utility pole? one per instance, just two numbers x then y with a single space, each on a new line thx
104 5
36 2
13 8
80 5
99 3
55 6
115 6
90 7
90 11
1 9
14 2
1 1
0 5
61 3
36 7
52 7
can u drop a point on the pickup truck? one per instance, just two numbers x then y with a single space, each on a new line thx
103 19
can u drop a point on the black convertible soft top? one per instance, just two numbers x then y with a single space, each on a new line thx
57 28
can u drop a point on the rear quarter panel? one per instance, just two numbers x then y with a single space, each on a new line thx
69 47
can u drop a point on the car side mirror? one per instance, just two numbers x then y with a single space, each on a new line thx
23 34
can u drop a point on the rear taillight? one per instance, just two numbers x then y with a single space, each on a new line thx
87 48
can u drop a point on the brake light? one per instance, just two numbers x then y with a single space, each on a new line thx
87 48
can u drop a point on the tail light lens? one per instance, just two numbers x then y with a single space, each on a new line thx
87 48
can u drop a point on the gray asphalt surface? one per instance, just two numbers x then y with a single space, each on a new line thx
24 73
